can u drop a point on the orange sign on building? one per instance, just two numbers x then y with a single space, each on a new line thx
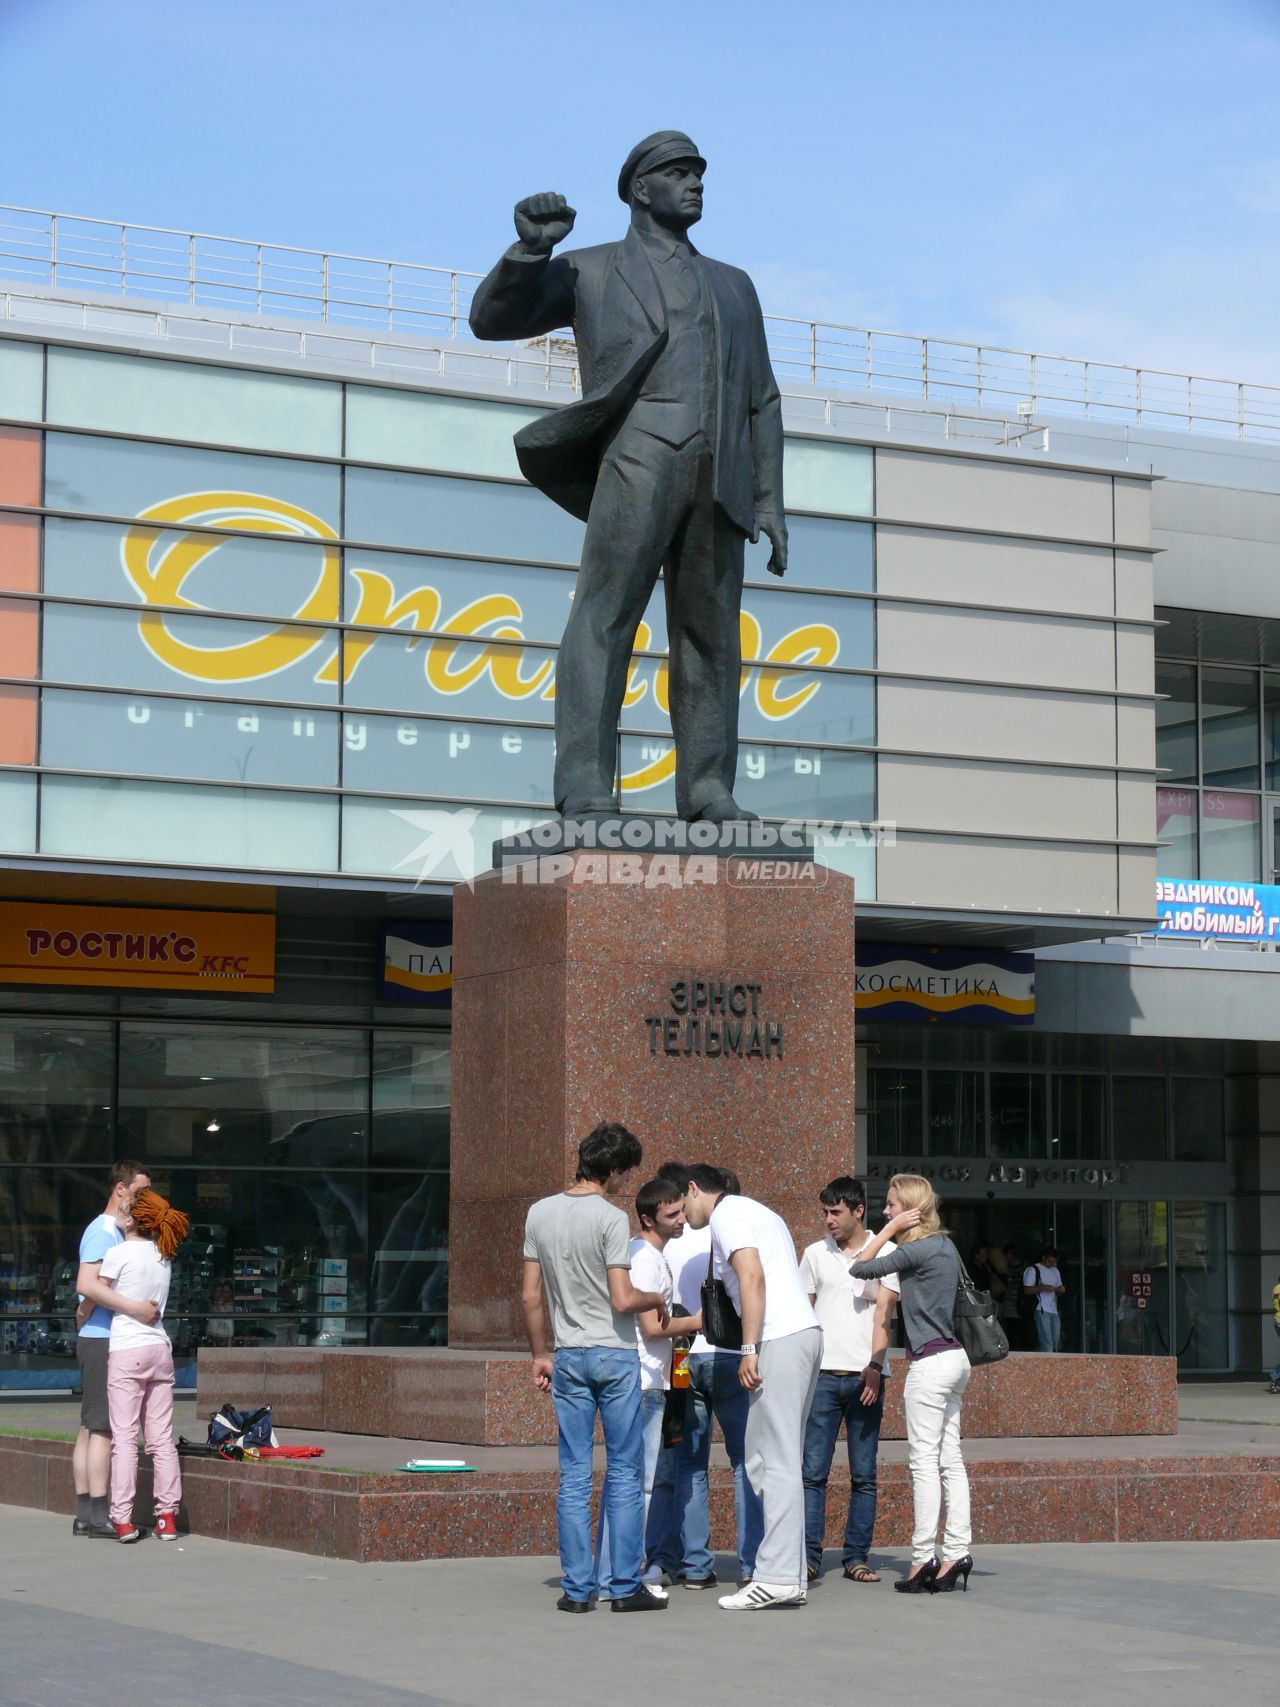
136 948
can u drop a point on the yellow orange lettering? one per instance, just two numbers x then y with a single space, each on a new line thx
814 643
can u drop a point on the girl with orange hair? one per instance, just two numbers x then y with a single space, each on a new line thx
140 1365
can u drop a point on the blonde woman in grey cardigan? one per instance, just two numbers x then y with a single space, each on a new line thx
928 1266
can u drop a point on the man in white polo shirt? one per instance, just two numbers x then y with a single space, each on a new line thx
855 1317
1043 1281
781 1350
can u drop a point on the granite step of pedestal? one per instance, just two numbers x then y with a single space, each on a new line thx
374 1518
486 1398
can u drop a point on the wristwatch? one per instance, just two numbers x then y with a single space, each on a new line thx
750 1351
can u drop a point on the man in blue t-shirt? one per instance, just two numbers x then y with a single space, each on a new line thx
91 1459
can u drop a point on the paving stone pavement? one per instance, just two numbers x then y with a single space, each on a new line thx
210 1624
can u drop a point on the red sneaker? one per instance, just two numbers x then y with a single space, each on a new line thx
126 1532
166 1528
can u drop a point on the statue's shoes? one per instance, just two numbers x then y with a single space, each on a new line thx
724 810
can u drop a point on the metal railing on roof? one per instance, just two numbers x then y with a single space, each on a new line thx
236 276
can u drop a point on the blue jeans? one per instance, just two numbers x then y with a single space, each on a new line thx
714 1391
1275 1373
587 1379
838 1399
1049 1330
659 1510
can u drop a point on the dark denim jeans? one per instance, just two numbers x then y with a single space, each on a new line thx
838 1399
714 1390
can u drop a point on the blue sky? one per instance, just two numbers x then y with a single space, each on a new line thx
1088 179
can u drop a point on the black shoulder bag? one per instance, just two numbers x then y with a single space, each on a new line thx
978 1322
721 1323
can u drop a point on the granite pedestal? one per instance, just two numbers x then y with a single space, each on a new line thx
706 1002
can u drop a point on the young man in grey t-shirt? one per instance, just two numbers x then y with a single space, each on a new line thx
578 1246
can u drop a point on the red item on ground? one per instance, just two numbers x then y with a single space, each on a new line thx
289 1452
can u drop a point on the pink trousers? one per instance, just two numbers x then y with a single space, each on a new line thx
140 1390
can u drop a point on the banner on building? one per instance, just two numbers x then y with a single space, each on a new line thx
1190 906
136 948
417 963
974 986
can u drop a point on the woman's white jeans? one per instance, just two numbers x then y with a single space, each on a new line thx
932 1399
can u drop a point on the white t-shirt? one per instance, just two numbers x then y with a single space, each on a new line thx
739 1222
687 1259
139 1271
846 1307
1046 1301
649 1273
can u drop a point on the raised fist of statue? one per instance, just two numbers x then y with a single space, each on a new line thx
543 221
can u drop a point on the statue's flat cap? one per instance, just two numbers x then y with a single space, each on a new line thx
657 150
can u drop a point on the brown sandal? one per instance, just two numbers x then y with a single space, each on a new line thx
860 1574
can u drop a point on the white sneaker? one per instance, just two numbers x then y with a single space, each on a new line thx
757 1596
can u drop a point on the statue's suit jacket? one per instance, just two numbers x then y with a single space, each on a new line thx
611 298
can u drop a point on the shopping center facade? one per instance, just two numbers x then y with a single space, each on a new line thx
278 630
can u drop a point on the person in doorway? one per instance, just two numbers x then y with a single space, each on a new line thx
755 1257
578 1246
91 1456
140 1365
1275 1311
855 1316
1043 1282
928 1265
715 1395
660 1212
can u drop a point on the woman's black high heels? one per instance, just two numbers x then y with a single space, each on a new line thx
957 1572
922 1582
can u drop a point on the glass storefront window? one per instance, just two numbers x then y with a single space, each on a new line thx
1229 727
1176 721
1177 815
1079 1128
238 1096
481 518
180 400
227 742
56 1092
397 755
408 1259
896 1112
17 812
1142 1279
1017 1117
1199 1133
416 429
1138 1120
957 1114
1229 840
1095 1314
1271 728
43 1212
1200 1299
427 841
822 553
836 478
21 379
411 1078
181 824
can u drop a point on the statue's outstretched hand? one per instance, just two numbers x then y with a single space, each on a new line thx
776 531
543 221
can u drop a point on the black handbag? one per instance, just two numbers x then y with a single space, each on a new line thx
721 1323
978 1322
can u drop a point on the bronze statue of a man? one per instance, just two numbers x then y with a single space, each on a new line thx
673 458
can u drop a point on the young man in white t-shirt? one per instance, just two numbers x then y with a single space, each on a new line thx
1044 1280
855 1316
781 1350
660 1212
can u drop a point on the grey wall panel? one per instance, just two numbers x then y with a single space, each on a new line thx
1135 809
1135 660
959 491
1194 1000
1137 882
1042 651
1181 506
1002 800
1135 596
1200 572
999 723
1035 877
1135 735
1133 512
924 563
